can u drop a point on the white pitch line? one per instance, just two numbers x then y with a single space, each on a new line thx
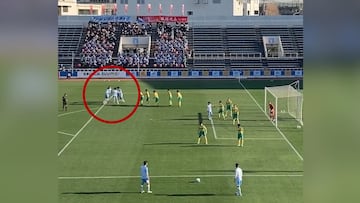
72 112
64 133
82 128
281 133
175 176
213 127
252 138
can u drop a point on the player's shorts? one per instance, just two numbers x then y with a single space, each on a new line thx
228 107
272 113
221 111
156 100
179 99
201 133
147 99
238 182
142 98
144 181
240 136
235 116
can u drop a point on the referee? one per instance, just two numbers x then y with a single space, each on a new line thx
65 102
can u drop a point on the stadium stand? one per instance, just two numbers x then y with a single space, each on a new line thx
178 45
137 56
69 42
288 41
171 45
99 44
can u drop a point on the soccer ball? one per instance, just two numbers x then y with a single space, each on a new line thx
197 180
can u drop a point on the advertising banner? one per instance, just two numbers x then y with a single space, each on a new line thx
298 73
154 19
105 19
277 73
102 74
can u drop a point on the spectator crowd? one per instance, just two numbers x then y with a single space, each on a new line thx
99 44
133 58
171 48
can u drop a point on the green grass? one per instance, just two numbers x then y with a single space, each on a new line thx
166 137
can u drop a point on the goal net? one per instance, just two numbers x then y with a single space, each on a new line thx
287 100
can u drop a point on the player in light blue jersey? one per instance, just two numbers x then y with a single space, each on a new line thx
121 94
144 172
238 179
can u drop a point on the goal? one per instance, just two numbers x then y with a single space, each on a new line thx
287 100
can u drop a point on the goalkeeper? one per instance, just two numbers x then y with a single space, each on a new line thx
272 112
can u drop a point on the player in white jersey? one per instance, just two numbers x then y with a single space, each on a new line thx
121 94
107 95
238 179
209 110
144 173
115 95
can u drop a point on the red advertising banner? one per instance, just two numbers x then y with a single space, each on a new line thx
154 19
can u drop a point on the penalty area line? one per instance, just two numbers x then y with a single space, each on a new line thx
81 129
252 138
213 128
281 133
72 112
176 176
64 133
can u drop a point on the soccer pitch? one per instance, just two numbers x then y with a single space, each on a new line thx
100 162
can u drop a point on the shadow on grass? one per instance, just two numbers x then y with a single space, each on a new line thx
148 105
272 171
121 105
209 145
213 170
168 143
245 171
88 102
97 193
182 119
187 195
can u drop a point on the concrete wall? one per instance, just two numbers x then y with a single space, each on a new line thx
246 21
198 7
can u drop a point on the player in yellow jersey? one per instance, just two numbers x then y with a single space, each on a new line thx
240 135
141 98
170 97
235 114
221 110
147 95
156 97
228 107
179 97
202 133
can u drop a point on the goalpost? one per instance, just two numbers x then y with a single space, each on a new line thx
287 100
